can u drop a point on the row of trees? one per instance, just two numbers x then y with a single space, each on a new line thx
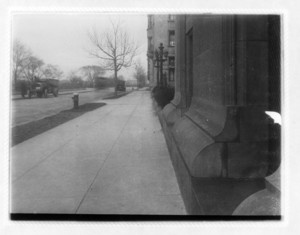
114 50
82 77
90 73
86 76
27 66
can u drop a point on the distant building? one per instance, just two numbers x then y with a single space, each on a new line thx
161 29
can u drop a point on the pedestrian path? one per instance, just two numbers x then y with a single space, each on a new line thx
113 160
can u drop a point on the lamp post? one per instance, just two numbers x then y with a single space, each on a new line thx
156 61
160 57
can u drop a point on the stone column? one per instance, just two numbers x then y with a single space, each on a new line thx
178 105
220 145
180 65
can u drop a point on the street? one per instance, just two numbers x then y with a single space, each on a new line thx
27 110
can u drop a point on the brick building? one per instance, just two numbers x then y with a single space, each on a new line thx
161 29
222 143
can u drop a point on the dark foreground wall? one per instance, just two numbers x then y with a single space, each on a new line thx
222 142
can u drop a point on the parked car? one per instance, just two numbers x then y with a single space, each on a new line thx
40 87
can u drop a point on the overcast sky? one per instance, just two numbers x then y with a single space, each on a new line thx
60 39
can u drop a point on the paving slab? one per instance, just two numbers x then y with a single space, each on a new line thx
113 160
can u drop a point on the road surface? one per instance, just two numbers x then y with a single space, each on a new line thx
27 110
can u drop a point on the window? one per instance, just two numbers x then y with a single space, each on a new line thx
172 38
150 21
171 17
150 46
171 61
189 63
171 74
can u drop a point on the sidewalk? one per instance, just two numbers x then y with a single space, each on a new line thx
113 160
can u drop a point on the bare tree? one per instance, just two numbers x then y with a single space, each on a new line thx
114 48
92 72
21 55
75 80
33 68
52 71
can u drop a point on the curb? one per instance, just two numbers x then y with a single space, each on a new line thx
71 92
118 96
104 98
64 93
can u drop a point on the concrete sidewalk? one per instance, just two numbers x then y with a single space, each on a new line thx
113 160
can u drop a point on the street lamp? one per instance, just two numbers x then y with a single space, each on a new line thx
160 57
156 61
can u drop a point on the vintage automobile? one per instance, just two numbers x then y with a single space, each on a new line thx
40 87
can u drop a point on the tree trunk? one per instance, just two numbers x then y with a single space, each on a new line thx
15 80
116 82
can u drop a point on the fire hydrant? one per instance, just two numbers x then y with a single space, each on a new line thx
75 100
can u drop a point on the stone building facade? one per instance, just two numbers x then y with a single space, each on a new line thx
222 143
161 29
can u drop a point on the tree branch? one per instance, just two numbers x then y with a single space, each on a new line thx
114 48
